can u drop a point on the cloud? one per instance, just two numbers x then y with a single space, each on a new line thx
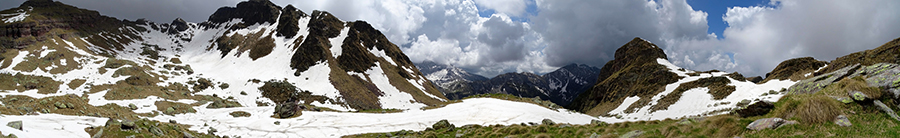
762 36
509 7
589 32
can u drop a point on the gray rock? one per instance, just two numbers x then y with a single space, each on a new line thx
632 134
15 124
443 124
594 135
212 131
858 96
881 106
187 135
99 134
277 122
743 103
769 123
817 83
127 124
156 131
547 122
112 122
842 120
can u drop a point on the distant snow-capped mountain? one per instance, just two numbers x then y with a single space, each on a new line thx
560 86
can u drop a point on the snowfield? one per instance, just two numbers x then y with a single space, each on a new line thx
481 111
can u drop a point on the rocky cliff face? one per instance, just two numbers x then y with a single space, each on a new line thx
634 72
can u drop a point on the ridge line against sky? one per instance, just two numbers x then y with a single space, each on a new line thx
491 37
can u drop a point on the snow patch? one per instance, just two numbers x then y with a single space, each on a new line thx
336 42
50 125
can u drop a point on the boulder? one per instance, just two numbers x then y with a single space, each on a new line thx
881 106
842 120
178 25
769 123
156 131
756 109
548 122
756 79
15 124
127 124
288 109
60 105
443 124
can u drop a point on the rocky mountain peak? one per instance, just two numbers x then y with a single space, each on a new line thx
251 12
39 3
639 50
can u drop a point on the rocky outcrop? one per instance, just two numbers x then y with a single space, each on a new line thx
250 12
287 23
633 72
178 25
47 15
791 69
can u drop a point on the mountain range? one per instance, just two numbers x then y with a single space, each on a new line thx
560 86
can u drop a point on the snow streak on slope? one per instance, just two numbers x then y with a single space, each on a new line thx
481 111
698 101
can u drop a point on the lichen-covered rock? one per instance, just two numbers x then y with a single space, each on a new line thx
15 124
442 124
819 82
881 106
548 122
842 120
132 106
858 96
127 124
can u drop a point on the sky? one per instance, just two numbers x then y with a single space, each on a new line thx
491 37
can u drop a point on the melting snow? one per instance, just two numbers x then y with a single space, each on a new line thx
481 111
336 42
50 125
16 16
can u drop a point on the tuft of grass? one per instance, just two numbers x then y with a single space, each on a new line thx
808 108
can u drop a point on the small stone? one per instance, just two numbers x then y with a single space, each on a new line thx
173 122
60 105
15 124
277 122
170 110
156 131
187 135
632 134
132 106
243 93
597 122
212 131
112 122
842 120
70 105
